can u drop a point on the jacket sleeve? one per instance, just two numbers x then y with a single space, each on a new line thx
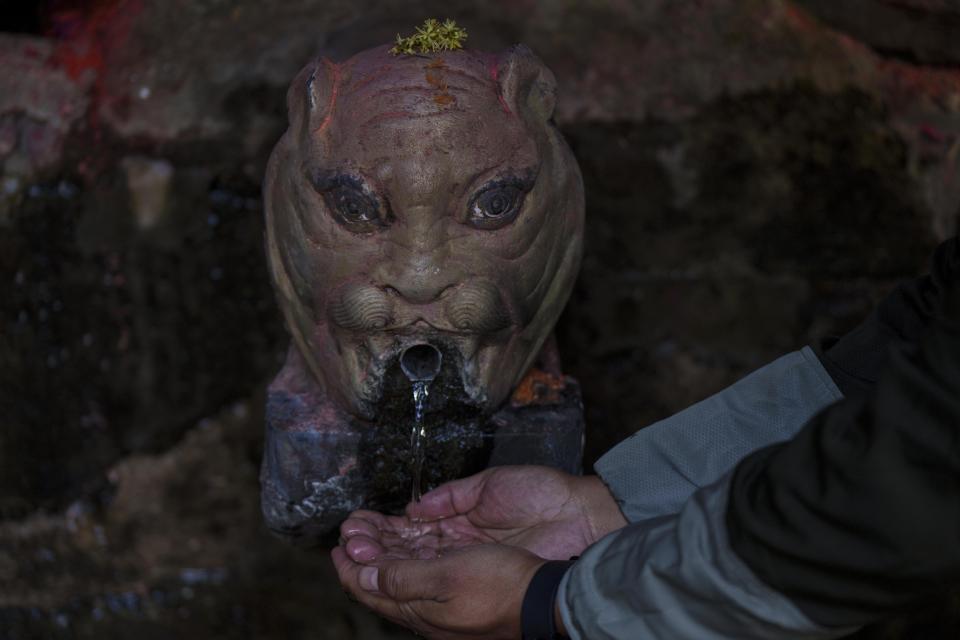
856 360
656 470
855 518
676 577
859 516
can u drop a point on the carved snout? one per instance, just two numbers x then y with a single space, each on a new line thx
477 307
362 308
473 307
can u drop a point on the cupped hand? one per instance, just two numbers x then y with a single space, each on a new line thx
470 592
549 513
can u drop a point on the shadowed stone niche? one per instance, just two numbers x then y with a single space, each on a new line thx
424 231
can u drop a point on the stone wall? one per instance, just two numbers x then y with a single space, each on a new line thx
758 173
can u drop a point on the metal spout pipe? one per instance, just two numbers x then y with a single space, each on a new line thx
421 362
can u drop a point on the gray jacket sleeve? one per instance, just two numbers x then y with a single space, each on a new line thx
676 577
656 470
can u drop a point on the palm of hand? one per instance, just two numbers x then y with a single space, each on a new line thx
533 508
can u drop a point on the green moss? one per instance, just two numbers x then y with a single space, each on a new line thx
430 37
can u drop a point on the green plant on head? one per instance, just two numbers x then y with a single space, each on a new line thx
430 37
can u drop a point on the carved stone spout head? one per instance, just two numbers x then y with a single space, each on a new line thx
422 199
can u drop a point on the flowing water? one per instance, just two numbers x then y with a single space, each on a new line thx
421 389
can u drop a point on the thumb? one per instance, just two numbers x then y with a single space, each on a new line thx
451 499
407 580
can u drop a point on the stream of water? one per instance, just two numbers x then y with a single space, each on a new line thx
421 389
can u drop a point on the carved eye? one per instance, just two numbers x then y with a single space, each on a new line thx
496 205
350 203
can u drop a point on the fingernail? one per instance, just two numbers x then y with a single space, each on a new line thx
369 577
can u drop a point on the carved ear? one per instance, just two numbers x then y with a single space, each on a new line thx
308 98
527 85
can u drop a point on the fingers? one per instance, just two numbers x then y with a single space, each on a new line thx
376 525
398 580
410 580
364 584
356 587
450 499
356 526
364 549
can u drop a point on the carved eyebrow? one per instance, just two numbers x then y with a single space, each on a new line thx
327 179
523 179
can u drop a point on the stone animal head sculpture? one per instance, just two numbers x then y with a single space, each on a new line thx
422 198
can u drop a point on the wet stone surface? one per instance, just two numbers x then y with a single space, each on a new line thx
320 464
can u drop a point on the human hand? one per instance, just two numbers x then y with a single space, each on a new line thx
469 592
552 514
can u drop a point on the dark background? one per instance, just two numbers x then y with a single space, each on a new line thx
758 173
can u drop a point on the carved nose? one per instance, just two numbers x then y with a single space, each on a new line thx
419 268
421 288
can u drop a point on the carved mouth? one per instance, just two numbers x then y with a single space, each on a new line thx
456 364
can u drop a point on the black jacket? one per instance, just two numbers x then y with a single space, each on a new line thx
859 515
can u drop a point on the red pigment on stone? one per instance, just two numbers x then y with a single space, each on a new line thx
87 37
88 40
494 70
334 94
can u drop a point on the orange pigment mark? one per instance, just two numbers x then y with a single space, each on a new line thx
538 387
436 80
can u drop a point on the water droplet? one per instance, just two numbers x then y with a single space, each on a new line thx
213 219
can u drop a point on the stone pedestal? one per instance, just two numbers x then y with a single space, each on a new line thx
320 463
